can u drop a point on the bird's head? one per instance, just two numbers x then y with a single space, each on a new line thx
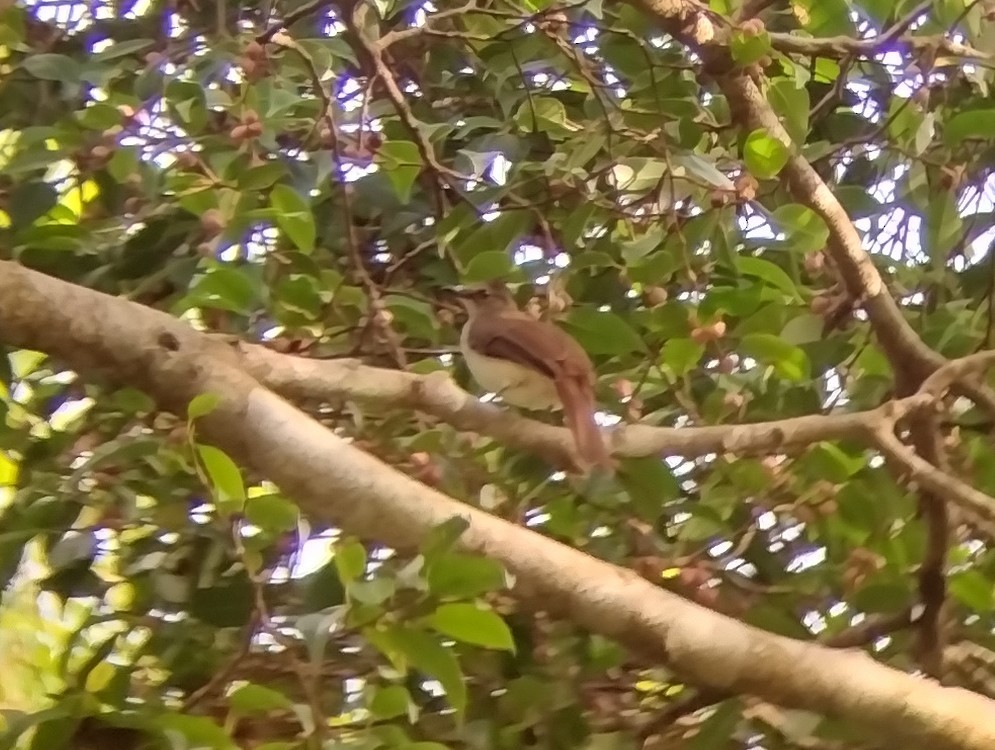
491 296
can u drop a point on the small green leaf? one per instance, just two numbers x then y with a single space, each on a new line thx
202 404
52 67
701 526
496 235
30 201
321 589
791 103
350 560
374 592
389 702
773 274
458 576
604 332
442 537
227 288
973 589
198 731
805 229
976 123
490 264
788 361
426 654
261 177
401 162
225 476
121 49
719 728
294 217
254 699
748 48
942 228
764 155
271 513
681 355
882 596
825 17
803 329
470 624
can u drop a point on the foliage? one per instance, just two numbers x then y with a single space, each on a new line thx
315 188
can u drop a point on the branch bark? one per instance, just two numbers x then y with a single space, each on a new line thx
338 484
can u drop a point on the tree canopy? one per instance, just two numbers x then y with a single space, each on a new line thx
251 497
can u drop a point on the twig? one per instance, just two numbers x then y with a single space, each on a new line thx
315 6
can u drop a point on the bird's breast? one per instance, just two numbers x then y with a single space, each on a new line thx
517 384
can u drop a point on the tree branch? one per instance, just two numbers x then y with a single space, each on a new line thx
336 483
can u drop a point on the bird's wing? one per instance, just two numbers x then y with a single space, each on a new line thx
536 344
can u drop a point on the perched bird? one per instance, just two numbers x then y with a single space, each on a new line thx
532 364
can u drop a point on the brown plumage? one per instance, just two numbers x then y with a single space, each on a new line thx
532 364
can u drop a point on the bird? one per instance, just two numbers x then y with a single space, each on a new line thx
532 364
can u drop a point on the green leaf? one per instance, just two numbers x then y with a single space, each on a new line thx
402 163
650 483
764 155
681 355
202 404
604 332
769 272
973 589
805 229
271 513
748 48
255 699
495 235
824 17
704 524
121 49
803 329
350 560
488 265
261 177
17 723
30 201
719 728
443 537
227 604
426 654
389 702
976 123
294 217
459 576
374 592
227 288
903 120
788 361
544 114
415 316
198 731
52 67
322 589
471 624
791 103
942 228
224 475
883 596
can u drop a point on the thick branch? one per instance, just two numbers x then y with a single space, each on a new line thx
898 339
323 380
339 484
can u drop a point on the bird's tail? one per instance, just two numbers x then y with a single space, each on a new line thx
578 410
